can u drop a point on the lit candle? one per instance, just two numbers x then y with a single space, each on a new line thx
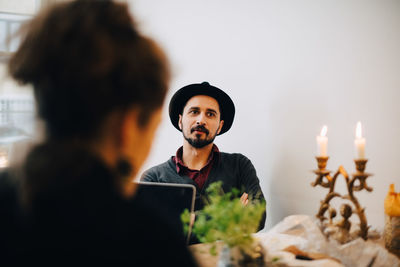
322 142
359 142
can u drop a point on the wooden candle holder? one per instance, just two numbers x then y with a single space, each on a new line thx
325 180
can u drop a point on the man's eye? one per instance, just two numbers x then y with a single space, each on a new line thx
193 112
210 114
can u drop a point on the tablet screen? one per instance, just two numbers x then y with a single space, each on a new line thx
169 200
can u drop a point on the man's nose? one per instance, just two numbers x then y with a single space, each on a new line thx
200 119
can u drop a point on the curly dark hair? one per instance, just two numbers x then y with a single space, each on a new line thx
86 59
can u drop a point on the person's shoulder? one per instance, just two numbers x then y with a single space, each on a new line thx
233 156
9 196
155 171
8 183
235 159
4 176
160 167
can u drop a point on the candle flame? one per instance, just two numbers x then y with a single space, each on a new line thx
324 130
358 130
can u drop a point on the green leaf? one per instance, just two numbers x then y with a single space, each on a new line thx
225 218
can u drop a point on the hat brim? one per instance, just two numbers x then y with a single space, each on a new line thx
180 98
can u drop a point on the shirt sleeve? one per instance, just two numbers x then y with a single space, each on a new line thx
251 184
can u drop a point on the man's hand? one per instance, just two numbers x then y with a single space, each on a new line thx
192 218
244 199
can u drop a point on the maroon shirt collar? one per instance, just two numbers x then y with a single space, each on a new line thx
179 162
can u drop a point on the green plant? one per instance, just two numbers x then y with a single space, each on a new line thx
225 218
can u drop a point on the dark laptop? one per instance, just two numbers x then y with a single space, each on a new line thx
169 200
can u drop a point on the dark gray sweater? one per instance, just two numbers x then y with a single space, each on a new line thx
234 170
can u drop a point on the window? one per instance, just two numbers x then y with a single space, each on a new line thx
17 119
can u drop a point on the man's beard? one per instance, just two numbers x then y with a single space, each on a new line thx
198 142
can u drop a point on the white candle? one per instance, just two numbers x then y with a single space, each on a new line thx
322 142
359 142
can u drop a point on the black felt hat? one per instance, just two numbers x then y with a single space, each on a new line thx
180 98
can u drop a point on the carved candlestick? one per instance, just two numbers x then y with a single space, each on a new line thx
325 180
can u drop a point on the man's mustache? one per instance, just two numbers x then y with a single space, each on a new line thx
199 128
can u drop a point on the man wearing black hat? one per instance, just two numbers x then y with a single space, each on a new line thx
201 112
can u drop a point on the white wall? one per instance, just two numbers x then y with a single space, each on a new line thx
290 67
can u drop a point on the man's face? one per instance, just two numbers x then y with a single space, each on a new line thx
200 121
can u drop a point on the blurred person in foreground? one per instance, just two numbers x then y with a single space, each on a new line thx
99 85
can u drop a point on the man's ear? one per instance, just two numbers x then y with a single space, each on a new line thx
128 126
180 121
221 124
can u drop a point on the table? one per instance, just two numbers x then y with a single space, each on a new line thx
302 232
